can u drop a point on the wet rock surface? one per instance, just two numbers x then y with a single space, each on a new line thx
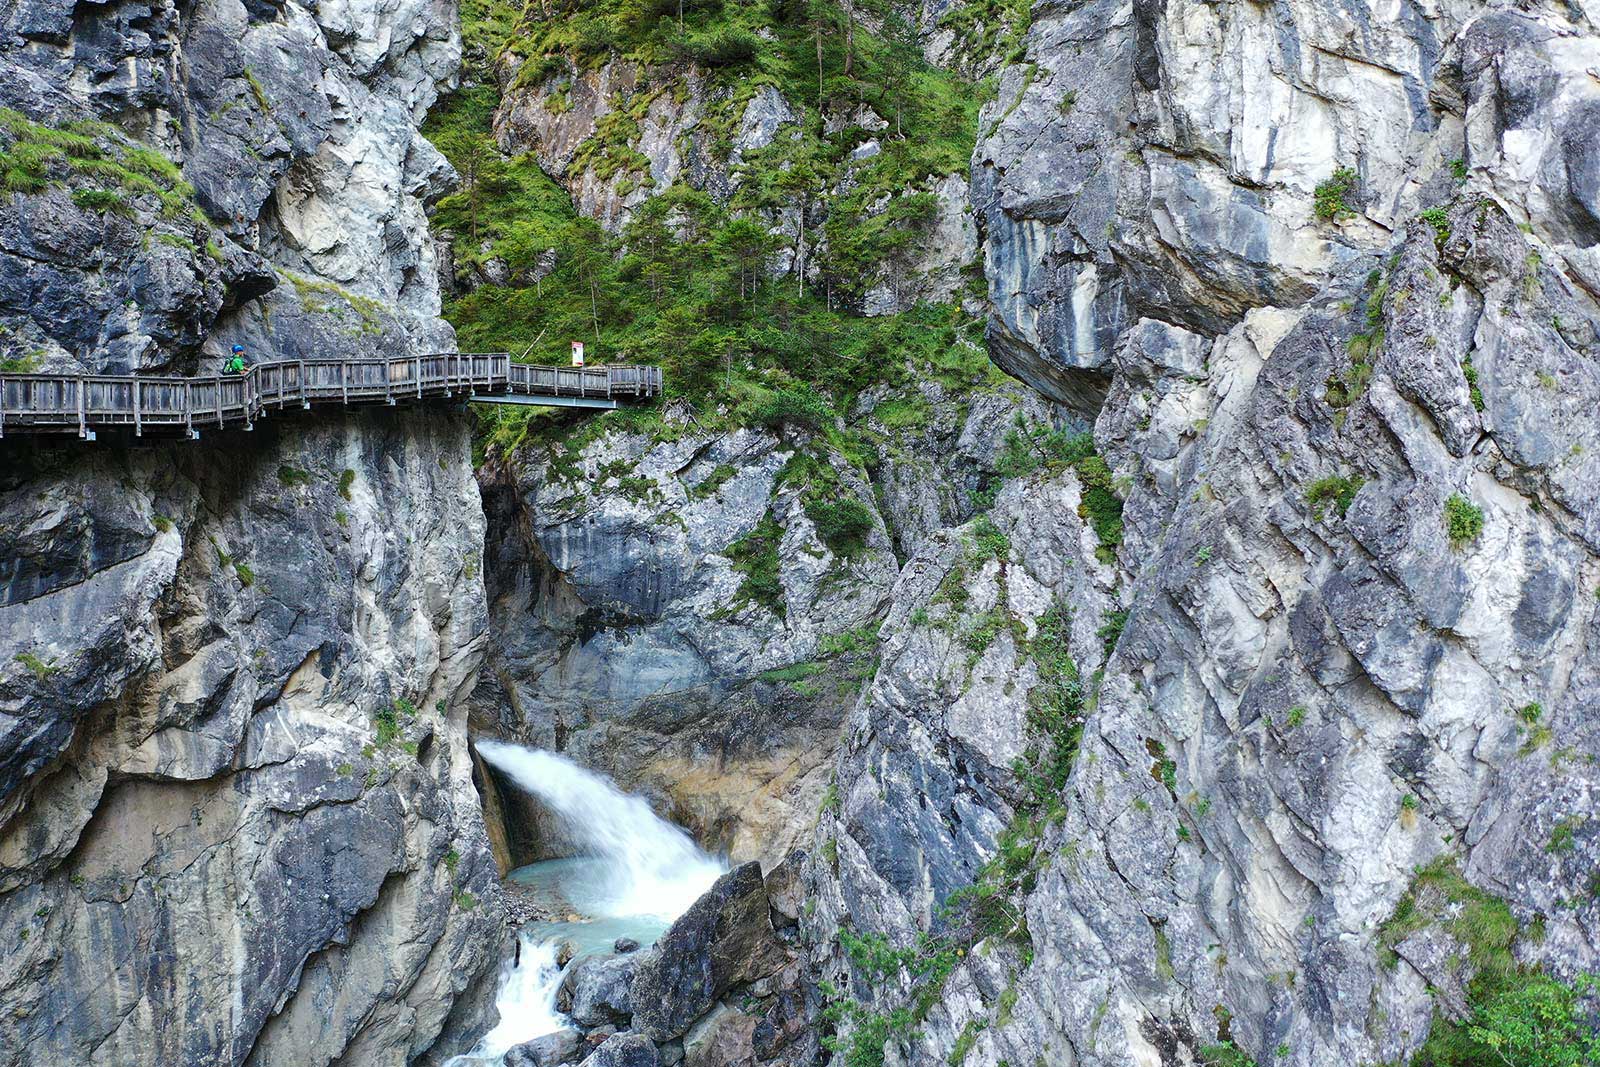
551 1050
594 991
724 938
625 1050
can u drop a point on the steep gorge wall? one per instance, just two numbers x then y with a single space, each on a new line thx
668 611
1328 678
236 817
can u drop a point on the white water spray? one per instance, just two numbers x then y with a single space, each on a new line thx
526 1001
646 869
654 868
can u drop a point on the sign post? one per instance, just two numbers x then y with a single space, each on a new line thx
577 353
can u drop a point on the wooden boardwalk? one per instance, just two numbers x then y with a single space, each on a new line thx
83 403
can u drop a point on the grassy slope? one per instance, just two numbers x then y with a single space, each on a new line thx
694 295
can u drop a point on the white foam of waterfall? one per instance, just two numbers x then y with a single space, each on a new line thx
526 1002
654 868
650 869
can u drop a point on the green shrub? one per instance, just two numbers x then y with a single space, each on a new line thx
792 407
755 556
904 413
1331 194
1471 374
289 476
1225 1054
1463 520
1439 219
386 724
1100 506
989 541
21 364
346 480
1535 1021
101 200
724 48
1111 628
1337 490
843 524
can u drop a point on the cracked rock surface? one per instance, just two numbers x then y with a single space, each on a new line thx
237 823
1357 459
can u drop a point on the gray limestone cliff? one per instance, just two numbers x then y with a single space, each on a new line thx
237 823
1339 678
669 612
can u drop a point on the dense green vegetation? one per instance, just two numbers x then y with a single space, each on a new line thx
689 283
1332 195
1520 1018
34 156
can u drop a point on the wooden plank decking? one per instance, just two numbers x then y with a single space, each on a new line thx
82 404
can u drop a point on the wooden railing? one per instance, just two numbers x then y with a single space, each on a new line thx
81 404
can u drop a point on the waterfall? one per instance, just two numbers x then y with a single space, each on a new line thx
652 867
526 1001
645 868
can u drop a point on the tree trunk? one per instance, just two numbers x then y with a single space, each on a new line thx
819 68
800 250
849 38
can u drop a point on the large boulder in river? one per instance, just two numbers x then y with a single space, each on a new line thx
725 938
551 1050
595 990
625 1050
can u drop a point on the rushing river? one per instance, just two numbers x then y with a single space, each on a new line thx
639 873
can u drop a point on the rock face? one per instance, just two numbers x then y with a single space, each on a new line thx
594 991
617 133
629 633
259 157
236 817
551 1050
624 1050
235 747
725 938
1350 631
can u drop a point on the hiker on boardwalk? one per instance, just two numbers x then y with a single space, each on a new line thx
236 365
